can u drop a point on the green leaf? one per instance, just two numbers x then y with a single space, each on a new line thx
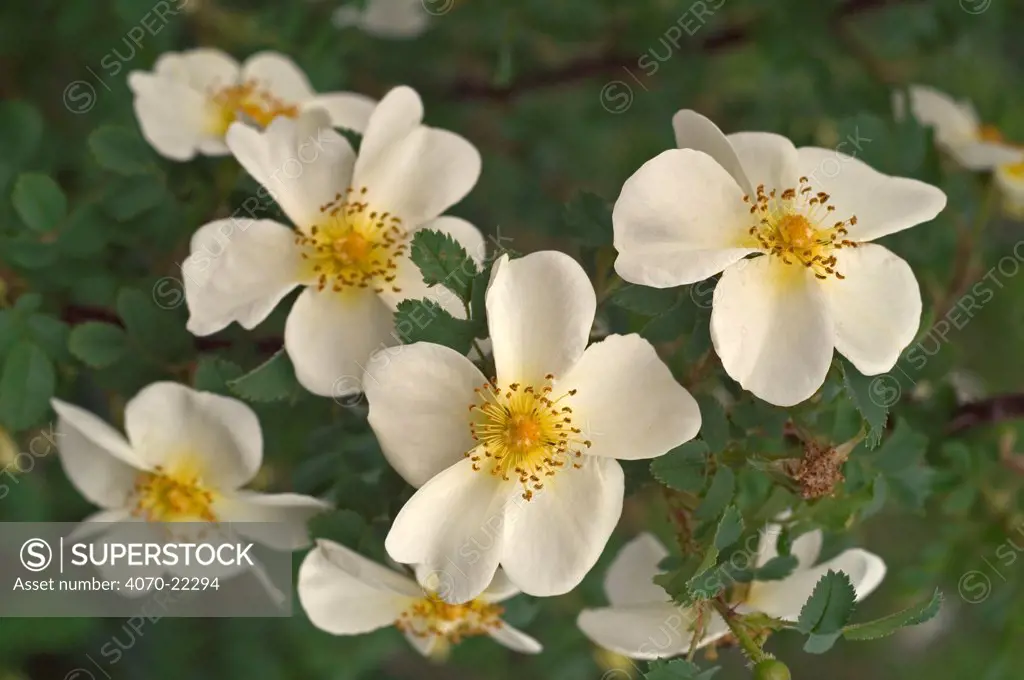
677 669
872 396
443 261
132 196
426 321
121 150
40 203
158 332
672 323
682 468
213 374
714 428
273 380
819 643
26 386
21 129
588 218
830 605
887 625
719 495
706 584
98 344
644 300
776 569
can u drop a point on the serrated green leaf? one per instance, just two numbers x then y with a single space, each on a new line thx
273 380
707 584
121 150
714 427
426 321
719 495
156 331
98 344
39 201
830 605
443 261
213 374
819 643
683 468
588 218
776 569
887 625
678 669
872 396
26 386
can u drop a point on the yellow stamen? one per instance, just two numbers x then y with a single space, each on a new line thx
432 616
248 103
173 495
524 434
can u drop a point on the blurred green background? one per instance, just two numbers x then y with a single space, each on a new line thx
560 97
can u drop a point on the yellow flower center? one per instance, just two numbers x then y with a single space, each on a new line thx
247 103
1015 170
524 434
176 495
796 225
431 616
353 246
990 133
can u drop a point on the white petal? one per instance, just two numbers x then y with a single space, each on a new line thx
330 337
876 308
697 132
953 121
174 118
419 398
540 309
805 548
277 520
344 593
652 631
96 458
398 113
501 588
772 329
238 270
302 162
167 423
427 645
395 19
409 279
125 533
554 539
784 599
767 159
278 74
882 204
630 576
201 69
347 110
455 525
627 403
679 219
985 155
516 640
98 523
420 175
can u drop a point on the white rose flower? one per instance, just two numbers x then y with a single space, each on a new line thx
520 470
391 19
641 621
186 457
816 283
190 99
958 129
344 593
1010 179
354 218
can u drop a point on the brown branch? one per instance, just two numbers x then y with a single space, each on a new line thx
986 412
612 61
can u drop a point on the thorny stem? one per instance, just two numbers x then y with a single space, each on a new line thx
750 648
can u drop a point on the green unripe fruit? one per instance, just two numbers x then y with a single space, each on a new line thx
771 669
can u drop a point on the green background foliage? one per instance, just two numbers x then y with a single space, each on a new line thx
565 100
